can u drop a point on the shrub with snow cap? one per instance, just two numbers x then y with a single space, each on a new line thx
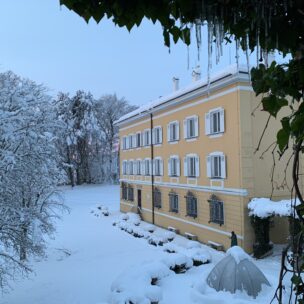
199 256
123 217
171 248
150 228
133 218
177 262
156 240
193 244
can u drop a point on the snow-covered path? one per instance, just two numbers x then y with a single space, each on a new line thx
88 254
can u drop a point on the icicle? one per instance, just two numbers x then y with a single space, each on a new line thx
257 46
188 58
198 33
218 41
210 37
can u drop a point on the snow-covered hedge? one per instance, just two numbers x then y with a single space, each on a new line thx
265 207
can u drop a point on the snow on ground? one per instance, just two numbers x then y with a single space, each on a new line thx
89 256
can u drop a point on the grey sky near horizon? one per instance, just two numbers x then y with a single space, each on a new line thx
52 45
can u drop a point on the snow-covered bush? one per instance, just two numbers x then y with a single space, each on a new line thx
138 285
150 228
156 240
171 248
177 262
198 256
193 244
133 218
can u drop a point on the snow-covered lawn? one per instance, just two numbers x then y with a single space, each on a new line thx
88 254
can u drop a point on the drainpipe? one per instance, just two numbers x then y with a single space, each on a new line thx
152 158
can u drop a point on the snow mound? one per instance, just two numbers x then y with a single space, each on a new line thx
138 284
238 254
193 244
199 256
123 217
265 207
171 248
178 262
149 227
133 218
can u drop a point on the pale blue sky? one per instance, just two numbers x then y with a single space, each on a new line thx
51 45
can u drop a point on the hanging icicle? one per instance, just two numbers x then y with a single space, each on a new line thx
210 38
237 46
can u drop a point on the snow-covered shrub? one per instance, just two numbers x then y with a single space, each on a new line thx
199 256
150 228
139 232
177 262
156 240
133 218
168 235
171 248
193 244
137 285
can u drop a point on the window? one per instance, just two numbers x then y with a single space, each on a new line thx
157 135
124 167
191 127
191 205
158 166
191 166
147 137
173 131
215 121
130 193
216 210
124 143
173 202
138 167
130 141
157 198
138 140
174 166
124 191
131 167
216 165
147 167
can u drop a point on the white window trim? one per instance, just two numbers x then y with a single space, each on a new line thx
150 166
138 160
222 126
178 166
223 169
138 146
197 168
153 135
195 127
161 169
144 136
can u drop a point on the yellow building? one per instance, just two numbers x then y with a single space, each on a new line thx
188 160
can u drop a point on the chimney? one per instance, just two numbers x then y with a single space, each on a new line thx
196 73
175 84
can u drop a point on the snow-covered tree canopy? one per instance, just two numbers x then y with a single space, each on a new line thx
29 173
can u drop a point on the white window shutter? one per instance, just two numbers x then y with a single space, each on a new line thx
209 158
161 167
127 142
178 167
185 166
168 132
169 167
134 167
223 166
143 171
222 120
160 135
207 123
149 140
196 128
134 141
150 167
197 166
121 144
177 130
185 128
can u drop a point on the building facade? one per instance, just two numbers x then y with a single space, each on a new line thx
189 160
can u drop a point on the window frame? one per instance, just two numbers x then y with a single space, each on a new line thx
170 129
191 205
157 198
173 205
216 211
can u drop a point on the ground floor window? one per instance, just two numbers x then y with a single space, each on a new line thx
130 193
216 210
191 204
173 202
124 191
157 198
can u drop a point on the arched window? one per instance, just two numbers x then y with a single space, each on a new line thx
173 202
191 204
157 198
124 191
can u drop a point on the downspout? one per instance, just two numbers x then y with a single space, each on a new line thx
152 158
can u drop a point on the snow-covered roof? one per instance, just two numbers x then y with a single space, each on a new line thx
228 71
265 207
